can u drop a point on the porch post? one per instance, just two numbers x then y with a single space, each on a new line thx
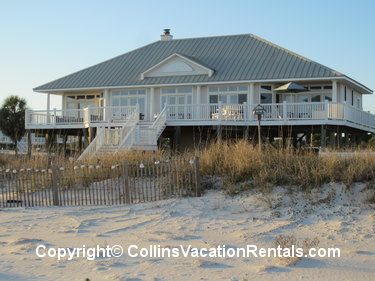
106 103
48 108
152 96
323 136
198 102
285 111
334 91
250 95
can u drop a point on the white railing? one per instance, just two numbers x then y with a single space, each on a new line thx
129 139
94 145
111 138
215 113
273 112
159 124
358 116
282 112
128 127
108 114
54 117
80 117
307 111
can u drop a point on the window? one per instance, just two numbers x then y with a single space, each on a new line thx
327 87
214 99
265 98
345 94
265 94
352 98
130 97
233 99
176 96
177 90
358 103
302 98
242 98
327 98
268 88
231 88
132 92
315 98
231 94
315 87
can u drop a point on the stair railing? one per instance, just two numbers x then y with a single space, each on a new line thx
94 145
159 123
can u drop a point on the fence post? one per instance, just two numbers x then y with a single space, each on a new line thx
55 193
197 177
126 182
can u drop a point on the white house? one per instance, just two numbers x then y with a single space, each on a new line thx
187 88
6 142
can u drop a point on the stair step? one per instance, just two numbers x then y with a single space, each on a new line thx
145 137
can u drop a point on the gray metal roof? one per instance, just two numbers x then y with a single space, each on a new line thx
233 58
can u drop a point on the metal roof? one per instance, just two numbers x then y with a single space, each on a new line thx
233 58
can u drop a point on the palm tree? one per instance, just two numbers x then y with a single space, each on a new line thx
12 118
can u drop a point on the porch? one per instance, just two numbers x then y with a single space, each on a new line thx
213 114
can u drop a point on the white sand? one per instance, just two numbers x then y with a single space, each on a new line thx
214 219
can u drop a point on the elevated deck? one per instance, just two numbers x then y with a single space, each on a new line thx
278 114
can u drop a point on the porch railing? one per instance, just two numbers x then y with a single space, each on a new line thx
77 117
282 112
210 113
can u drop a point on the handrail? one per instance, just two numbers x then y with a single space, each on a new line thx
160 121
130 136
128 127
94 145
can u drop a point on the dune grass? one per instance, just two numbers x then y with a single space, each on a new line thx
240 164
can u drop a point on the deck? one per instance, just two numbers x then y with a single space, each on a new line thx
277 114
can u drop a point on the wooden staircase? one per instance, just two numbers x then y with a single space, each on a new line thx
131 135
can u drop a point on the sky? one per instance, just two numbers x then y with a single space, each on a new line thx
44 40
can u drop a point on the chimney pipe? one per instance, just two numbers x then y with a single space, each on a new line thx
166 36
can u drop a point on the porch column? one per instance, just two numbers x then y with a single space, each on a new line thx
106 103
152 98
198 101
48 108
250 95
334 91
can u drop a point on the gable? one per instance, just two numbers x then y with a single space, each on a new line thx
176 65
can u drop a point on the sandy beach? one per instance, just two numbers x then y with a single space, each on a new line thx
333 215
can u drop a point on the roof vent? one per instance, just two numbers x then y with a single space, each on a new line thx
166 36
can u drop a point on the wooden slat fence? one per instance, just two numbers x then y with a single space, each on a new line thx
124 183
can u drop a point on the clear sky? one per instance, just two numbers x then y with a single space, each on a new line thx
44 40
